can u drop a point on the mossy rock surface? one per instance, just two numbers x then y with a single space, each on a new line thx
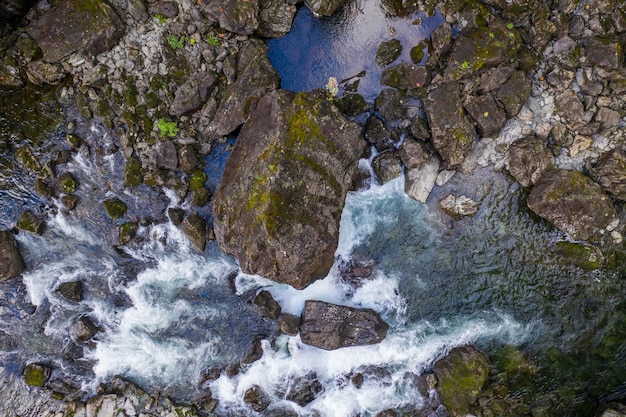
67 183
197 179
132 172
127 232
29 222
585 256
36 375
115 208
388 52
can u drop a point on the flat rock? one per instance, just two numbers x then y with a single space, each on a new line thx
603 52
86 26
194 227
191 95
233 15
275 18
11 262
406 76
573 203
610 172
529 159
487 115
278 206
459 206
421 169
513 93
331 326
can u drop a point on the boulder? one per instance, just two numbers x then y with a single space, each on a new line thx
569 107
267 305
233 15
275 18
194 227
461 375
452 132
573 203
191 95
392 104
84 26
603 52
406 76
459 206
278 206
487 115
387 52
115 208
29 222
585 256
514 93
255 77
11 262
610 172
289 324
331 326
303 389
84 329
324 7
37 375
167 9
72 290
387 166
529 159
257 398
377 134
440 43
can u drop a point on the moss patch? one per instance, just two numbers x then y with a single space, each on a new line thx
197 179
132 172
36 375
115 208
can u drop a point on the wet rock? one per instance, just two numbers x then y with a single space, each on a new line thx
278 206
69 201
387 413
84 329
330 326
610 172
72 291
11 262
268 306
257 398
194 227
573 203
406 77
355 270
303 390
39 72
187 159
115 208
387 166
37 375
255 77
440 43
176 215
127 232
353 104
233 15
86 26
603 52
489 118
461 375
417 53
357 380
167 9
452 132
377 134
392 104
192 94
421 170
528 160
324 7
133 175
459 206
275 17
582 255
289 324
67 183
569 107
388 52
29 222
514 93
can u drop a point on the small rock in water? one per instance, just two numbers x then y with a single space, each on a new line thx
84 329
459 206
194 227
30 223
115 208
268 306
257 398
72 291
11 262
304 389
289 324
254 353
37 375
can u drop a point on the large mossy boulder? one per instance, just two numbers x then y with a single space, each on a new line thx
461 375
11 262
278 206
573 203
86 26
331 326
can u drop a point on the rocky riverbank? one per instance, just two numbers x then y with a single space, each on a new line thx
532 90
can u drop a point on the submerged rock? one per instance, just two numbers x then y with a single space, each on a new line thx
573 203
278 206
461 375
459 206
72 290
388 52
585 256
304 389
257 398
11 262
331 326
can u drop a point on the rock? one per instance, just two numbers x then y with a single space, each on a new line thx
167 9
84 26
37 375
137 9
255 77
579 144
176 215
387 413
324 7
528 160
69 201
12 10
377 134
573 203
275 18
30 223
514 93
607 118
357 380
452 132
127 232
194 227
187 159
102 406
461 375
584 256
459 206
257 398
355 270
166 155
289 324
387 166
393 105
40 72
67 183
603 52
115 208
72 291
489 118
278 206
233 15
331 326
388 52
569 106
440 43
133 175
353 104
11 262
419 129
84 329
192 94
610 172
417 53
406 76
420 181
268 306
304 389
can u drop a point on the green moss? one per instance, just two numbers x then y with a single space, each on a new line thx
27 158
585 256
67 183
132 172
197 179
30 223
115 208
417 53
36 375
127 231
169 129
73 140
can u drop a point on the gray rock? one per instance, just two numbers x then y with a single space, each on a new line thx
40 72
167 155
406 76
489 118
440 43
233 15
257 398
393 105
137 9
387 52
14 9
304 389
278 206
573 203
610 172
267 305
569 107
387 166
102 406
255 77
603 52
377 134
607 118
353 104
420 181
514 93
84 329
330 326
459 206
324 7
493 78
275 18
194 227
452 132
528 160
187 159
86 26
11 262
192 94
72 291
176 215
289 324
165 8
